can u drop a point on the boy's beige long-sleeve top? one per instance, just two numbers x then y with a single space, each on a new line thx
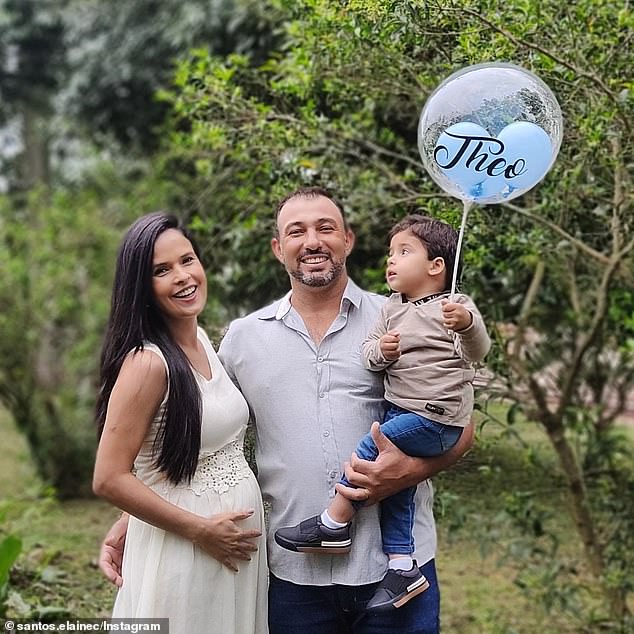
433 376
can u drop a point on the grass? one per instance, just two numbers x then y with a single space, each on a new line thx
479 594
57 570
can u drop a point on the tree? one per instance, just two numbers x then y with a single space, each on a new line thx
82 73
56 255
338 104
122 53
33 65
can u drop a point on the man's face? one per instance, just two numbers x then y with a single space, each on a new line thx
313 243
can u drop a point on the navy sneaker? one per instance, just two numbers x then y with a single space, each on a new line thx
311 536
397 588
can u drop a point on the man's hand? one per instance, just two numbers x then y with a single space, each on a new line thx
111 553
389 473
393 471
390 345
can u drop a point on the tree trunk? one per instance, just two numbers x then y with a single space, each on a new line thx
583 517
34 164
60 458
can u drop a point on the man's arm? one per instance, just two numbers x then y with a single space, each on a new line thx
111 553
393 471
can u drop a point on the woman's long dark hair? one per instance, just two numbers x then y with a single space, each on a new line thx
135 319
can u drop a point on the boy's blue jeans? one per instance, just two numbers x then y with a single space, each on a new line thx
416 436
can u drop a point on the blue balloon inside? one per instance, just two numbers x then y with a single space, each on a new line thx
482 166
448 149
527 147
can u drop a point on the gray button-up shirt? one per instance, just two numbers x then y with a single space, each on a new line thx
311 404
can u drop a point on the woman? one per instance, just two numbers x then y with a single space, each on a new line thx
194 549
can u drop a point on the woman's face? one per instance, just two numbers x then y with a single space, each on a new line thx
178 278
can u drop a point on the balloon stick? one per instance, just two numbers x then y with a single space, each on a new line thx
467 204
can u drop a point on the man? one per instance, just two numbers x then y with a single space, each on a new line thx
298 364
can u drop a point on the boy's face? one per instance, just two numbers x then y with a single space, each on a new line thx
409 269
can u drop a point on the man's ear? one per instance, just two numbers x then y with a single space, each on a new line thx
437 266
276 247
350 239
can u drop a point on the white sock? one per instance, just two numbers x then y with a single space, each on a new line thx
327 521
401 563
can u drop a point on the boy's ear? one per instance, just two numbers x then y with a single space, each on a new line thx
437 266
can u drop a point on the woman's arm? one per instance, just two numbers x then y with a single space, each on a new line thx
135 398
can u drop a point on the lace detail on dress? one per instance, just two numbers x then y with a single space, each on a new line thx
220 470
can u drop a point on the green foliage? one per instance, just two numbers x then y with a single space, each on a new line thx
608 466
339 105
56 255
57 243
57 546
10 549
122 53
79 74
507 497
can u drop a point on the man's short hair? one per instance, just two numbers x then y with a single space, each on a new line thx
310 192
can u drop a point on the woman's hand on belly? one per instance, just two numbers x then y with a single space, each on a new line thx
221 537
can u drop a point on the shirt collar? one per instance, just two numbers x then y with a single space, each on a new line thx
424 300
279 309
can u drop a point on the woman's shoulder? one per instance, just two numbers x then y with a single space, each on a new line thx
147 361
143 377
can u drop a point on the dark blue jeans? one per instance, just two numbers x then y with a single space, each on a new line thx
295 609
416 436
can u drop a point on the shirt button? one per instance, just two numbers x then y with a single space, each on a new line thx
322 395
334 474
320 359
326 433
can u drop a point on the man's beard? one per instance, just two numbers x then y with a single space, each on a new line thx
316 280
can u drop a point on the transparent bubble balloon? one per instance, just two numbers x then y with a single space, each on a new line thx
490 132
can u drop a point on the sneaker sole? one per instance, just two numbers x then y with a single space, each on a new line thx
332 548
414 590
413 593
324 550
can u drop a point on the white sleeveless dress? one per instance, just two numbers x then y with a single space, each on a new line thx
166 576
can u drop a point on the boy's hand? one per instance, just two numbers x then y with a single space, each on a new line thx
455 316
390 344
